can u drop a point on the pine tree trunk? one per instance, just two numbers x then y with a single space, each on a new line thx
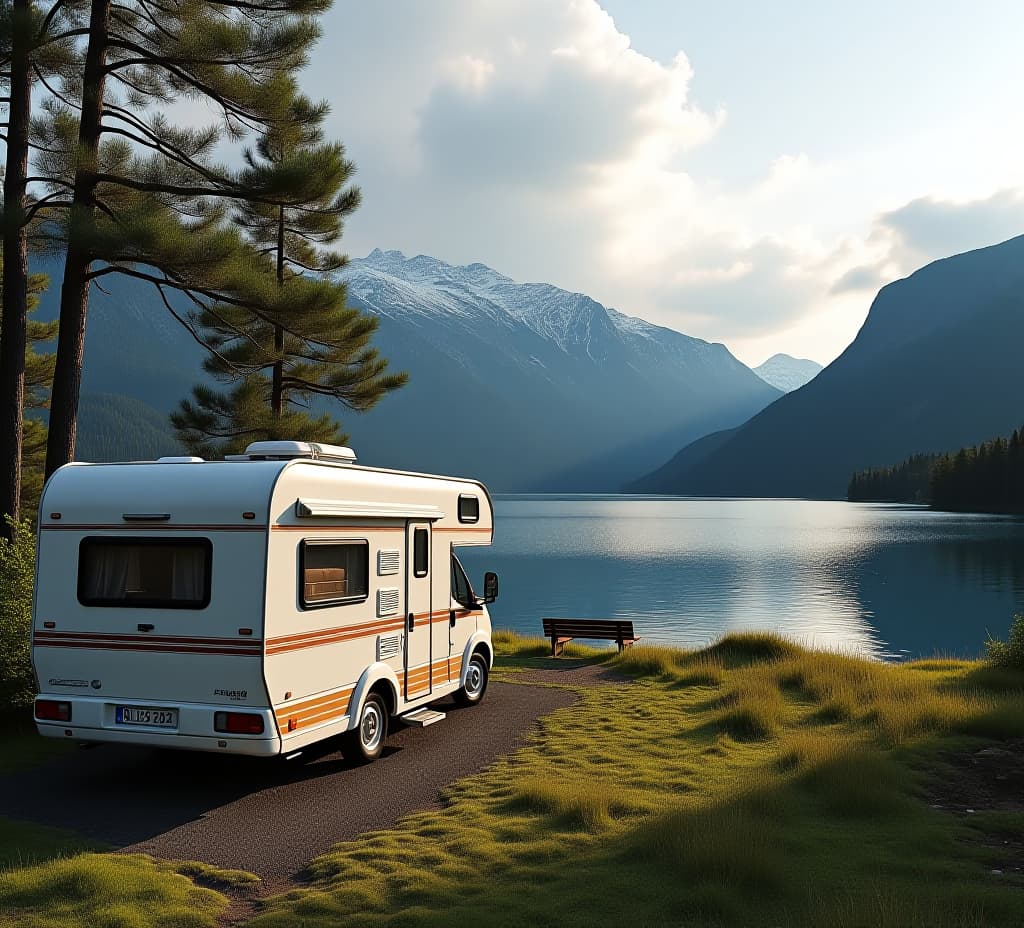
74 293
14 326
277 383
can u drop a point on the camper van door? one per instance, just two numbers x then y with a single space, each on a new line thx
418 607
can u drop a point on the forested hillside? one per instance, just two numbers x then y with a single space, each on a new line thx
983 478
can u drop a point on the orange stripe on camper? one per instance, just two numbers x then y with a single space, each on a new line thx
315 710
337 528
326 636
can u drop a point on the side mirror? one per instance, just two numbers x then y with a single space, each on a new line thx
490 586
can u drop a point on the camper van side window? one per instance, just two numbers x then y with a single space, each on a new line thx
333 572
462 589
469 509
421 552
145 573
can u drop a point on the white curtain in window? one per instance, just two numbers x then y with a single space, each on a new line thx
188 569
113 570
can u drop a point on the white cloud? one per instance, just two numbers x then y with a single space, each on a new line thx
532 136
928 228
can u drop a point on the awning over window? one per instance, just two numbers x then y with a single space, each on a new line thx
333 508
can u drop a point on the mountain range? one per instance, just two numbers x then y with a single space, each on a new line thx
524 385
531 386
935 367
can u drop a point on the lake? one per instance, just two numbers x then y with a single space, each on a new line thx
886 581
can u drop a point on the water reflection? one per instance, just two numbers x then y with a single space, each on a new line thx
885 581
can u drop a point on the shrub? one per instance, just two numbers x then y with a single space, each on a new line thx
1009 653
17 572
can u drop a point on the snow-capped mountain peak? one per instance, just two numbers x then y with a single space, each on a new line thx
597 396
787 373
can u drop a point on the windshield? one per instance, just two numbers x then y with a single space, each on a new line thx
462 589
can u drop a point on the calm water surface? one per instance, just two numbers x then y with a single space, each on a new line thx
882 580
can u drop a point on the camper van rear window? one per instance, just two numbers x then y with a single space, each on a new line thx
469 509
145 573
334 572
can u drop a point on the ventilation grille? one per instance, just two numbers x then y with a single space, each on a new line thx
387 563
387 602
388 647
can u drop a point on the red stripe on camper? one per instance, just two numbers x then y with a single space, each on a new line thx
149 527
161 639
143 646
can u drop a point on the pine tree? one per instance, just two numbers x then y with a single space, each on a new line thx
36 41
146 198
322 346
38 375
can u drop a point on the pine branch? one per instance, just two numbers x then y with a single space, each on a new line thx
191 330
46 202
45 26
59 96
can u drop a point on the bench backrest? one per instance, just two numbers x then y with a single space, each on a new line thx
613 629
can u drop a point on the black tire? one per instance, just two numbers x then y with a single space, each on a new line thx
365 743
476 681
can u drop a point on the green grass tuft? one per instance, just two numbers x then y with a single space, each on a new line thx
106 891
743 648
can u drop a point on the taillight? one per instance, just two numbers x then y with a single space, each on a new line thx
53 710
238 723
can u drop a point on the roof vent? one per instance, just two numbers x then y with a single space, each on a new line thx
179 459
286 450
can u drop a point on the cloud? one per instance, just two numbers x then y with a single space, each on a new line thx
926 228
739 290
862 277
533 137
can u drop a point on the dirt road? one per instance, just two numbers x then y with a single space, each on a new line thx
270 818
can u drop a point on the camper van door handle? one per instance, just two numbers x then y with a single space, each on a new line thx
412 621
451 617
145 627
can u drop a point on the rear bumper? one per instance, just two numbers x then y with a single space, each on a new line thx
93 719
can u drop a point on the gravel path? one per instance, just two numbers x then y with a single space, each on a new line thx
269 817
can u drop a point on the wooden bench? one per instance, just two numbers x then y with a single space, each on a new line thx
561 631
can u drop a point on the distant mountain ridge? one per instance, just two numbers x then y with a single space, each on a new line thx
578 396
787 373
935 366
524 385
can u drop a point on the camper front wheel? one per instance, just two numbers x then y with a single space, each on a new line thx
365 742
476 681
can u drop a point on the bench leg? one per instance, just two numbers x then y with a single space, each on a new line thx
558 645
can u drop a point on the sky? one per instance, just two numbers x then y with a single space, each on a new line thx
746 173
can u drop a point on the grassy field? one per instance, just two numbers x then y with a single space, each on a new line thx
752 783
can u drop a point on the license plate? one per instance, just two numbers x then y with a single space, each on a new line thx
136 715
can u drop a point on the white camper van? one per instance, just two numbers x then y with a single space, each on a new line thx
256 605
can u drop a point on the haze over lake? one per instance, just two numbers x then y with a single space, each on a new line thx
881 580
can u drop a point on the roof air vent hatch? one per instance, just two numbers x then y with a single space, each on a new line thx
287 450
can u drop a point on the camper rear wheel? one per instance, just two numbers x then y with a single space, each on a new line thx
365 742
476 681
